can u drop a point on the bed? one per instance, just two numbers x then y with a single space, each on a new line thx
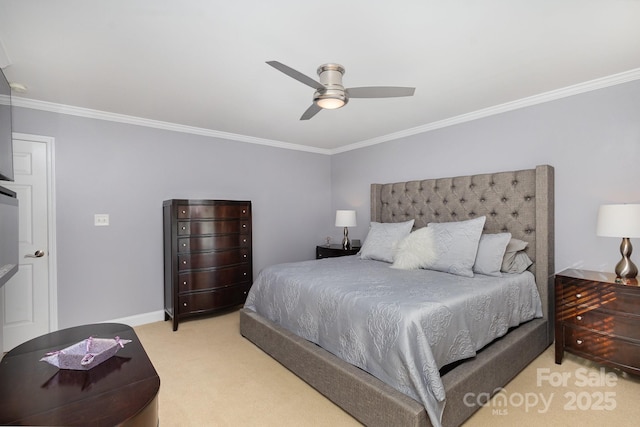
518 202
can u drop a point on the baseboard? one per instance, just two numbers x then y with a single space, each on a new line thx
140 319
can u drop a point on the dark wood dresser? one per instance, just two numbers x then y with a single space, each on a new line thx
207 256
598 319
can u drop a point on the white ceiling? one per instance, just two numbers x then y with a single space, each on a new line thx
201 63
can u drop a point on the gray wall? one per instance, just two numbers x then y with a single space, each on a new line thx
592 140
107 273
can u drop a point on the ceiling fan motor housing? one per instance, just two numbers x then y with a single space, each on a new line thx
331 77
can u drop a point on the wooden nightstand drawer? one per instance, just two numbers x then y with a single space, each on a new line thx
603 348
611 323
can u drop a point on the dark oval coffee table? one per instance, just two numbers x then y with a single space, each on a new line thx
121 391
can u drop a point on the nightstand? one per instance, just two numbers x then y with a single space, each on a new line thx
598 319
332 251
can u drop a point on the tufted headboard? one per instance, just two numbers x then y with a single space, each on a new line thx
519 202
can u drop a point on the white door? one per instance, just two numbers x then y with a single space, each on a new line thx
26 295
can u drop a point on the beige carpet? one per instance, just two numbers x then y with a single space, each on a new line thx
212 376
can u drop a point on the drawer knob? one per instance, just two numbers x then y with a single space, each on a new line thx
184 283
184 244
184 228
183 211
579 342
244 256
244 225
244 274
184 304
184 262
578 295
579 317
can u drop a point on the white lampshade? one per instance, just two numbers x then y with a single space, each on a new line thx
345 218
619 220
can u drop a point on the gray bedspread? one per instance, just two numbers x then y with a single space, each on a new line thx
400 326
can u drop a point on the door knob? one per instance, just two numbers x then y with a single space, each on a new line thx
36 254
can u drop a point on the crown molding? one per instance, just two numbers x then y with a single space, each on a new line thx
139 121
553 95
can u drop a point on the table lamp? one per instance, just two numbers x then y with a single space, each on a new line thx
623 221
346 218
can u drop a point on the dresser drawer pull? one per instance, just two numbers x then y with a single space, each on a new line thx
184 228
184 283
578 295
184 304
244 274
579 342
244 225
579 317
184 262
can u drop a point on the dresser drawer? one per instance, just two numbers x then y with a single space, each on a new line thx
603 347
577 294
204 301
212 259
210 243
213 227
212 211
211 279
612 323
621 300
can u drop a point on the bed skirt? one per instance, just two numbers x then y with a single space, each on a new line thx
375 403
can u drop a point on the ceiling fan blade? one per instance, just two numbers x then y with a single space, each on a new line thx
311 111
380 92
296 74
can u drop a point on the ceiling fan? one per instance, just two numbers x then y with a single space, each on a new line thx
331 94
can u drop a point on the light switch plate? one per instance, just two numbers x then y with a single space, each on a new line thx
100 220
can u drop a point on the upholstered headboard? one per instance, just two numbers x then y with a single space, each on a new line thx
519 202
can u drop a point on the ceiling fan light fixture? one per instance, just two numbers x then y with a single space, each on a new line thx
330 103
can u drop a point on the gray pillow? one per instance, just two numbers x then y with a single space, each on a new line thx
491 250
456 246
515 259
383 238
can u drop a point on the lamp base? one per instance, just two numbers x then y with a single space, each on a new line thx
346 244
626 270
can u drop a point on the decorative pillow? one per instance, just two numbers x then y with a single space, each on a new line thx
456 245
415 251
515 259
383 239
514 246
491 251
520 263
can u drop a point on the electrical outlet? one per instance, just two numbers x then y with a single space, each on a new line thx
100 220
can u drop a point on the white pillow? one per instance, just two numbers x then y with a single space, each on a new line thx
416 250
491 250
456 245
383 239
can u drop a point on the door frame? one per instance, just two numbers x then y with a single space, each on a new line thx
51 222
